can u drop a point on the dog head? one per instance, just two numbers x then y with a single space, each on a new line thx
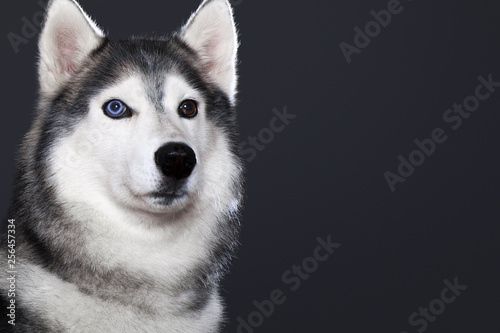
143 124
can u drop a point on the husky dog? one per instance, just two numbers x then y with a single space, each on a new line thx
129 182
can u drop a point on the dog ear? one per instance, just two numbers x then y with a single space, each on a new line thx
211 33
68 37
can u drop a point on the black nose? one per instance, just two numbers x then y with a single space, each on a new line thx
175 160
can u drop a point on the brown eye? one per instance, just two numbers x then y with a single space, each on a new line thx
188 109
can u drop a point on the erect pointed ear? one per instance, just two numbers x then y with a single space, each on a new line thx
67 39
211 33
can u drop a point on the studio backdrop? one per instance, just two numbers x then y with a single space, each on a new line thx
370 133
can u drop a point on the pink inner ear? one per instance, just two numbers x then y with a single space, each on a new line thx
210 53
68 50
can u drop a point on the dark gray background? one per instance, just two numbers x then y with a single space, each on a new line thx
323 174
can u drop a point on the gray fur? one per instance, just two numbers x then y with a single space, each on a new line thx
51 239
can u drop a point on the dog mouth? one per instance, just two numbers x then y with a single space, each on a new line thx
167 197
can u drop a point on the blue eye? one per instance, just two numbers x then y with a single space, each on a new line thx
116 109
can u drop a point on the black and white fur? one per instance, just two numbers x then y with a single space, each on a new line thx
105 243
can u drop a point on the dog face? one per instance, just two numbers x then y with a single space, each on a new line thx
143 124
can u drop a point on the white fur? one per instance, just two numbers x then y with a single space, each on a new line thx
211 32
98 186
114 170
66 307
103 170
68 37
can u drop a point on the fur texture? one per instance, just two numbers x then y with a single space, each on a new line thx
105 241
